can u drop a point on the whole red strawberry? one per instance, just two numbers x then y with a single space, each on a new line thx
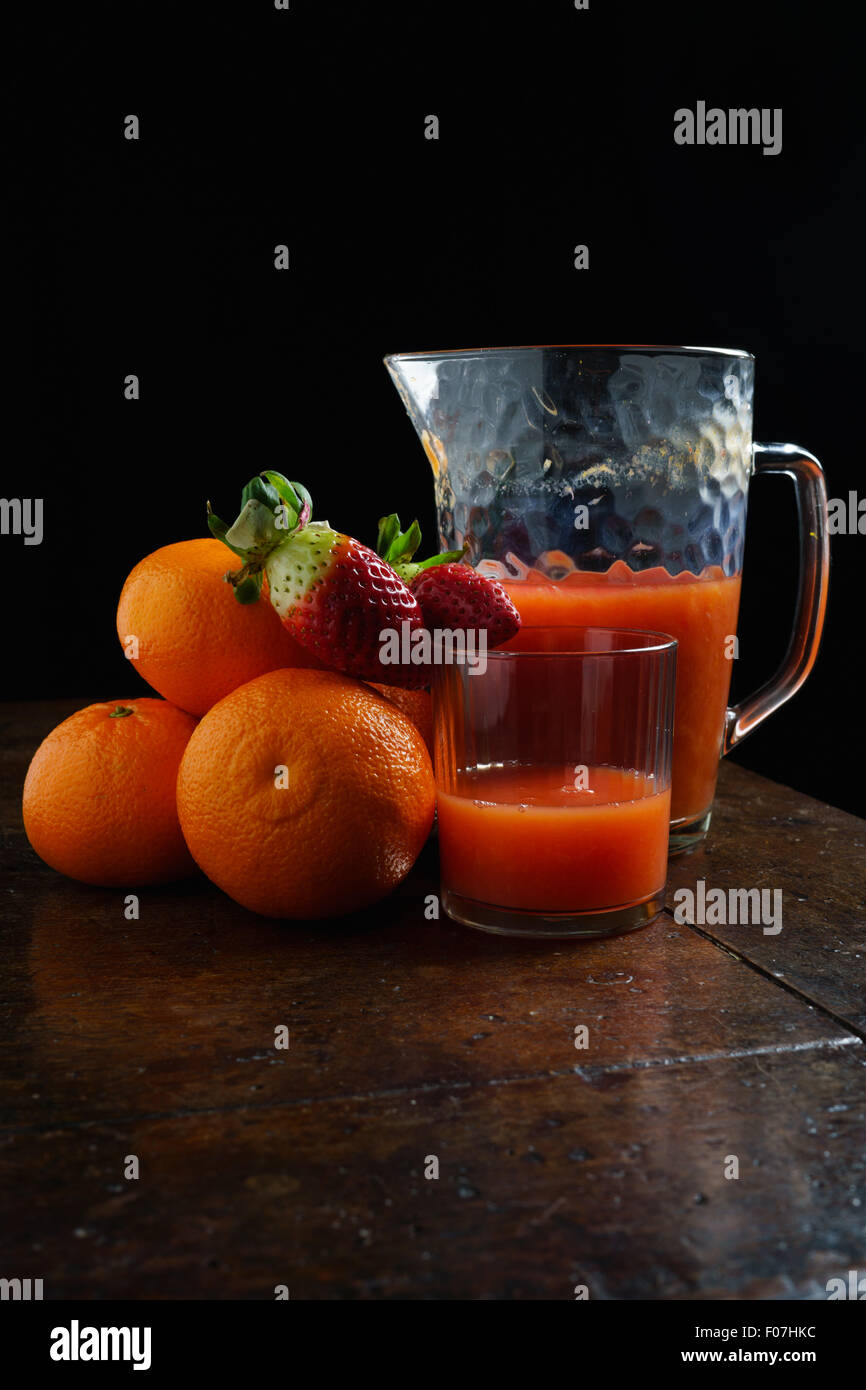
337 598
452 595
457 596
334 595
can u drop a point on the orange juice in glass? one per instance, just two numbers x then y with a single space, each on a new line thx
529 838
553 778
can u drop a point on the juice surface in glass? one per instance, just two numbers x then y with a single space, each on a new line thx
526 838
700 611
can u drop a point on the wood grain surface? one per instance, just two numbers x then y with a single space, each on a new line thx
602 1166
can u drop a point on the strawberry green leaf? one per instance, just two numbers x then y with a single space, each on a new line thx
255 530
294 498
306 502
396 546
219 529
249 589
258 490
389 529
448 557
284 489
406 545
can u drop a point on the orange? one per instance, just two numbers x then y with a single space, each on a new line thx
195 642
417 704
305 794
99 797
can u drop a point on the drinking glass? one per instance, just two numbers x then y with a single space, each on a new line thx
553 771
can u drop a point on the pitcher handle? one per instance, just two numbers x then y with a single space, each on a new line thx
808 477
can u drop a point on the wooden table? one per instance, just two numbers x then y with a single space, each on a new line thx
410 1038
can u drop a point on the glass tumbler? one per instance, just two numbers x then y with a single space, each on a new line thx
553 771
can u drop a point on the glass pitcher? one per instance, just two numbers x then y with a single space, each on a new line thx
607 486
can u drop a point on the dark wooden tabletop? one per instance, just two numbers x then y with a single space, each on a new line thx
409 1038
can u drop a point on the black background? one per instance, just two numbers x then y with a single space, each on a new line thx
306 127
